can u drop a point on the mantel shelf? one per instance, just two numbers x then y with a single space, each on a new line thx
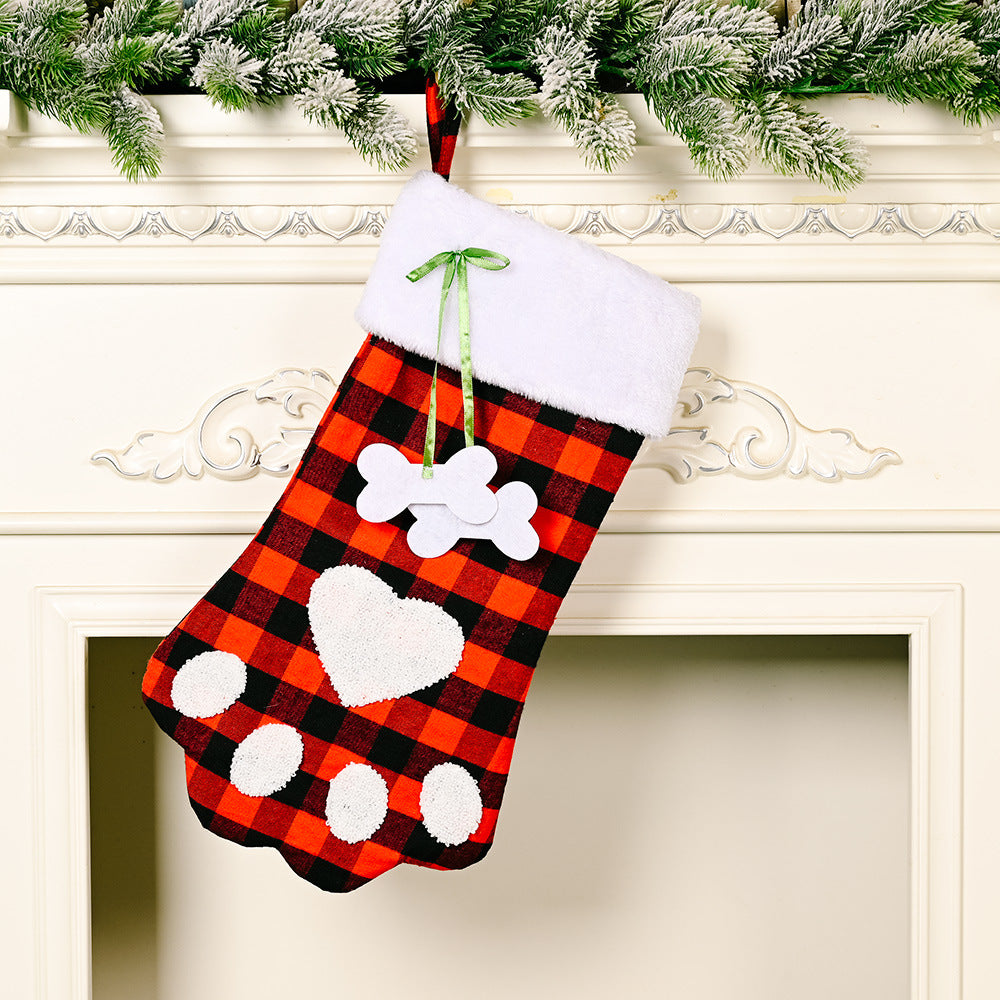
273 156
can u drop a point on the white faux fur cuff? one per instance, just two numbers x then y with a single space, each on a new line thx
566 323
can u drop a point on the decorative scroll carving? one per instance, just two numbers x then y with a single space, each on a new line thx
608 223
257 427
265 426
776 443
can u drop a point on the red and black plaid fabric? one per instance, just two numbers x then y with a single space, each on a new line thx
258 611
443 123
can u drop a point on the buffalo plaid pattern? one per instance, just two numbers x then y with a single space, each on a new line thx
443 124
258 611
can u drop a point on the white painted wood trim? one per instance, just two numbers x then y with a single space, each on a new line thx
64 621
250 265
617 522
931 614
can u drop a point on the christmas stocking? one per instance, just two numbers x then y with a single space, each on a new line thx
349 691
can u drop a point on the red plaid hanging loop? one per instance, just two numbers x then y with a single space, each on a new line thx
443 123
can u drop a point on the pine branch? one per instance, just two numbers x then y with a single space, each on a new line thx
633 20
698 47
707 127
211 18
259 33
379 133
809 48
131 43
425 19
935 62
565 58
9 17
714 72
875 23
351 24
978 105
746 24
135 17
228 74
445 38
465 79
39 63
135 135
792 140
604 132
986 33
690 64
63 19
303 58
568 69
366 35
982 101
330 99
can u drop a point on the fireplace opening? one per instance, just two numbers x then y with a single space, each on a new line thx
689 816
123 822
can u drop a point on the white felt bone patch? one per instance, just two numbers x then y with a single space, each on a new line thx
374 645
394 483
437 529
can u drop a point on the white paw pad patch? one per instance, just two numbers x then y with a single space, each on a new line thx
357 803
266 760
450 805
375 645
208 684
394 483
437 529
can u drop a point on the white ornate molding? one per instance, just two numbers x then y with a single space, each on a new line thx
775 442
204 224
261 426
213 225
265 425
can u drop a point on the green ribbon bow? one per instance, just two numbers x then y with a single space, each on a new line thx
456 263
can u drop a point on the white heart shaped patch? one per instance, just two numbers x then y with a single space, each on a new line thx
375 645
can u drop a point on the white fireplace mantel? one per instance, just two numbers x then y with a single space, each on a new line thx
264 195
170 344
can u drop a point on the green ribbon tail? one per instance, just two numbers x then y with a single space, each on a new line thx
456 265
465 353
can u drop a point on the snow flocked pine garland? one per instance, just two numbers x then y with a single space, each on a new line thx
724 76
